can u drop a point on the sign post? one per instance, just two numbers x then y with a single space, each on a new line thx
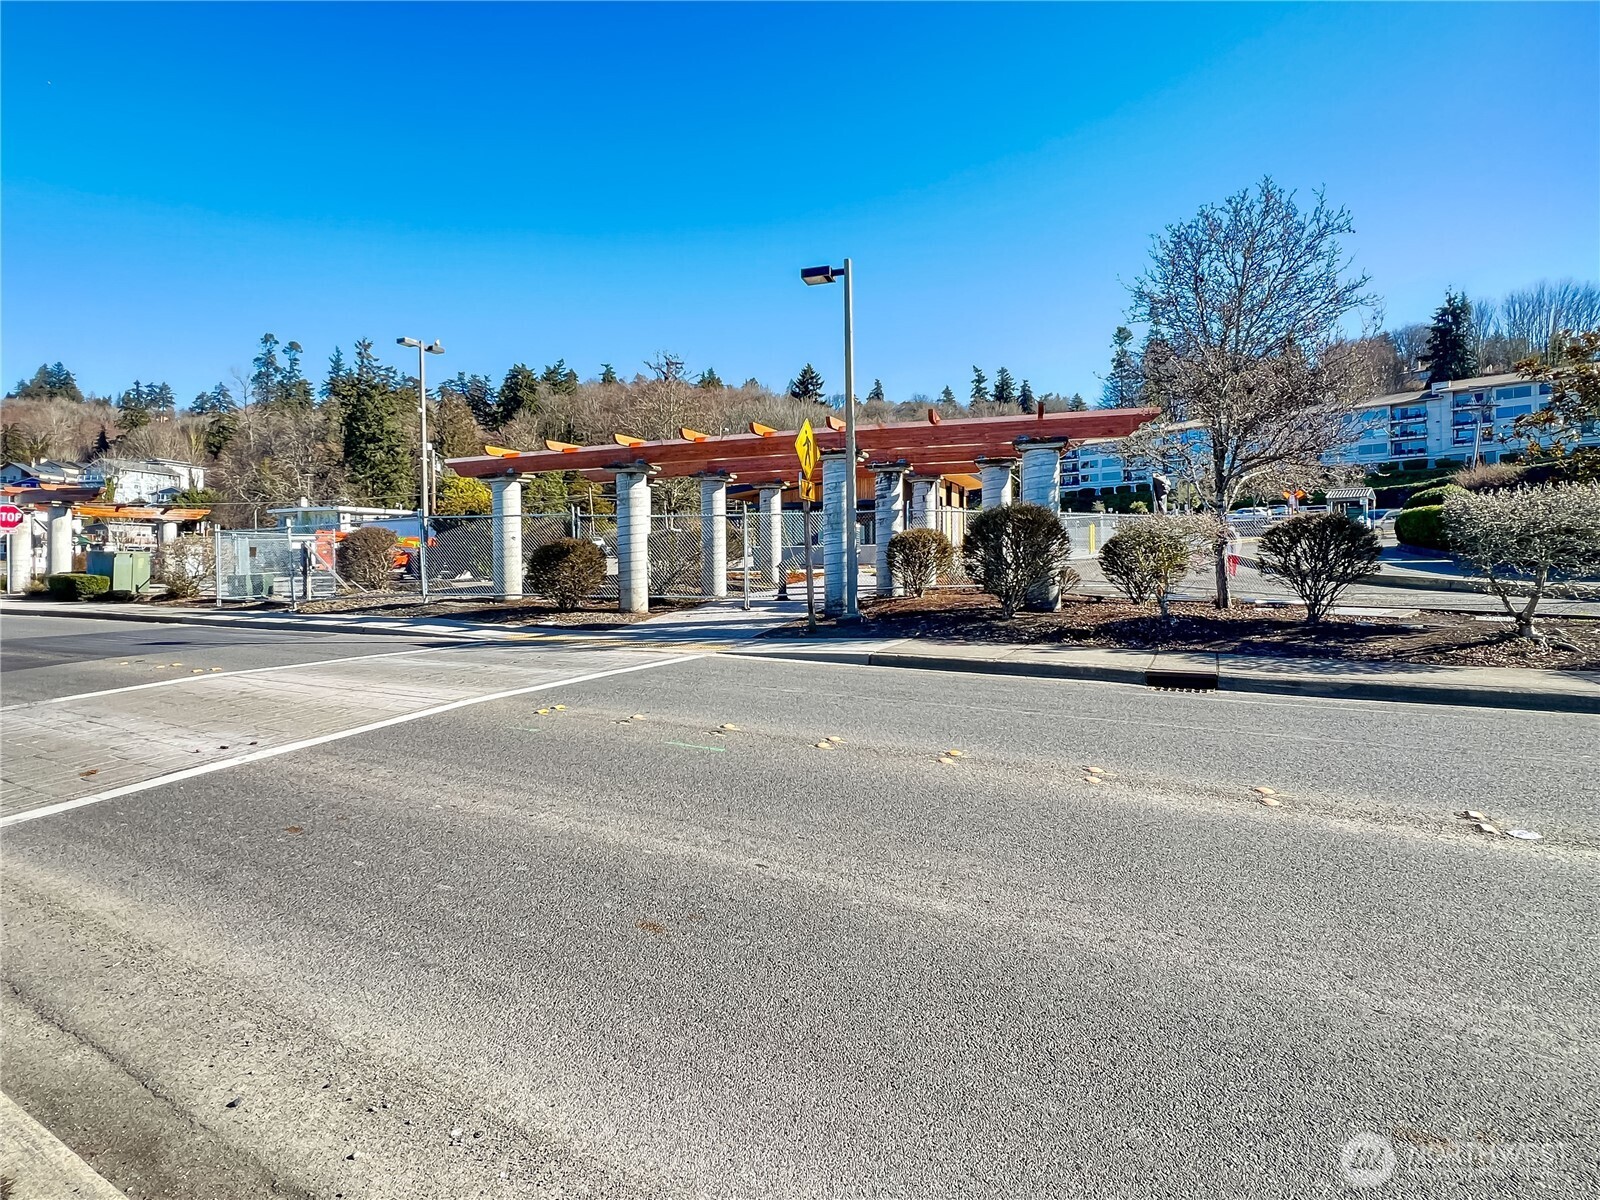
805 446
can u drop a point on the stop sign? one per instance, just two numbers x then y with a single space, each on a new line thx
10 517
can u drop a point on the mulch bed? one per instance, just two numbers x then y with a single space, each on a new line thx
1452 639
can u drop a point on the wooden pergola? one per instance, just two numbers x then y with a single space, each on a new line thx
893 456
764 455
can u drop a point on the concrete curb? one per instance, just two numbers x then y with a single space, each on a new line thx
1178 671
1194 677
40 1164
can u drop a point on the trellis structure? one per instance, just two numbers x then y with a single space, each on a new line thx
892 457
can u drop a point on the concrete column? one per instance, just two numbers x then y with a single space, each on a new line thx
1041 484
1041 473
19 555
834 468
890 520
996 481
505 504
166 533
714 535
925 501
60 540
633 540
769 533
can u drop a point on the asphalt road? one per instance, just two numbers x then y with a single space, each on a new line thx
618 950
45 657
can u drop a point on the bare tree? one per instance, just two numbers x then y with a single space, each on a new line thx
1536 317
1251 296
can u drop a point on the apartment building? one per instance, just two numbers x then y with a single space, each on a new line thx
1448 422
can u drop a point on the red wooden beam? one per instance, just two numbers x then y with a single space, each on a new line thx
952 443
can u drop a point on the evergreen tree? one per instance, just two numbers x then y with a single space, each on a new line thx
980 386
519 394
336 371
220 430
1155 371
559 379
455 432
1450 352
807 385
49 382
947 396
1124 386
376 448
877 391
292 387
218 400
608 373
1025 398
13 442
102 443
162 401
133 407
476 392
1005 388
264 376
1076 403
708 380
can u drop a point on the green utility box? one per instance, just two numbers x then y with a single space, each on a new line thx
128 570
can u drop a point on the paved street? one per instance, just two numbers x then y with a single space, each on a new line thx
618 949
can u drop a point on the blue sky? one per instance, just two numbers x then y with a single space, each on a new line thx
598 183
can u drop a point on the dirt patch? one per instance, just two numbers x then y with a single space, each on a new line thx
1453 639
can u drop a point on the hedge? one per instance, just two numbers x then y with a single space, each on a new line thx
1434 495
1421 527
76 586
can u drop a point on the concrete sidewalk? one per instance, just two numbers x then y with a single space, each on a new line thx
1493 687
39 1166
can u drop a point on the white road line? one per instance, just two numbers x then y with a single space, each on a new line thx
192 678
273 751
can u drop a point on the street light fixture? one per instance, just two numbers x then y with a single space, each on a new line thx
811 277
423 350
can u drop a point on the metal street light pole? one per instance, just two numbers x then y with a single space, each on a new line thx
812 276
423 350
852 561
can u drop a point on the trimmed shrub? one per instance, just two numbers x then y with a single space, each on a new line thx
1421 527
566 571
75 585
1433 495
1147 558
917 557
1016 552
1318 556
365 557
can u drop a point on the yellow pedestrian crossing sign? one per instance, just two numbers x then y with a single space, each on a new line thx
811 491
805 445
